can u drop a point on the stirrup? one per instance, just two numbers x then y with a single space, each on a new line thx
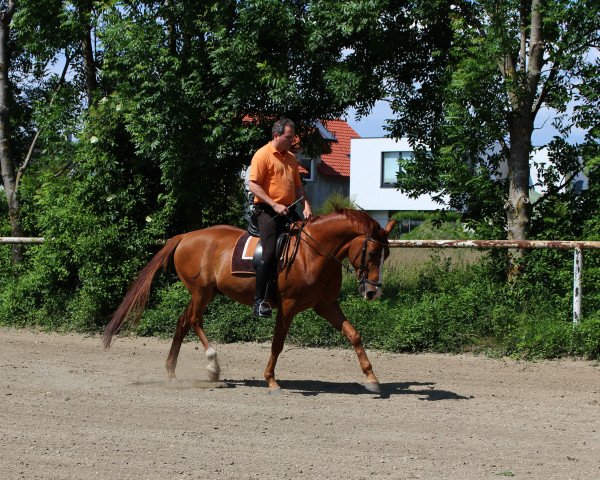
262 309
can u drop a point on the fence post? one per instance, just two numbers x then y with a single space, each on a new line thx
577 269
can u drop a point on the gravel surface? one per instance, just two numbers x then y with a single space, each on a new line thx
71 410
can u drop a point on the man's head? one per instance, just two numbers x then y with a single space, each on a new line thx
284 132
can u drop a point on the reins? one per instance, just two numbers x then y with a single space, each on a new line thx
363 252
329 254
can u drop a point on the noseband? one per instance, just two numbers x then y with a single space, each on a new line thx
363 273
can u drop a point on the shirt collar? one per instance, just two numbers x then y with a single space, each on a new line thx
274 150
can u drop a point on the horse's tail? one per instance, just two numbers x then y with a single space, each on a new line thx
136 298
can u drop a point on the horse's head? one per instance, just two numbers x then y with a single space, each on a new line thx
367 254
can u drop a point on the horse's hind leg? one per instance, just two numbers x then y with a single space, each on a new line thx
183 327
192 318
334 315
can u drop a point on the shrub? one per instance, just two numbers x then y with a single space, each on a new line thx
586 338
335 200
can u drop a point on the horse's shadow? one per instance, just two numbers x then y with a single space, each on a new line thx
424 390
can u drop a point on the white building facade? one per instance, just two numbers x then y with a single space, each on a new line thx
373 170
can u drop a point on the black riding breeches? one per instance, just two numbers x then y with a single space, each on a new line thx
270 226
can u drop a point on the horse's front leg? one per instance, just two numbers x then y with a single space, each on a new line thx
334 315
282 325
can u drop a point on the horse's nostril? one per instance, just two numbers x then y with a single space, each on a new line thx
370 295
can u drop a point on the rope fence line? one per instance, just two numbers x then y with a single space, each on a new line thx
575 245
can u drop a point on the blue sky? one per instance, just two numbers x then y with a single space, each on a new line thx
372 125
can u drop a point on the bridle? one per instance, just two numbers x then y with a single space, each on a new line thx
363 270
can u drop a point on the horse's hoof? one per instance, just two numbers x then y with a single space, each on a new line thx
213 374
275 391
373 387
210 353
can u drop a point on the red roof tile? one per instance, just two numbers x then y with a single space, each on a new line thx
337 163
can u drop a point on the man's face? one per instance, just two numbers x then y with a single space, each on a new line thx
284 142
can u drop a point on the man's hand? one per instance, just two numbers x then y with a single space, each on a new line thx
280 209
307 211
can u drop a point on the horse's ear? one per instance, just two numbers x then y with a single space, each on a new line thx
390 226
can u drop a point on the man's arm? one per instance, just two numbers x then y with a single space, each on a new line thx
259 193
307 210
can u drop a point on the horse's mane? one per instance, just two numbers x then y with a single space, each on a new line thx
358 217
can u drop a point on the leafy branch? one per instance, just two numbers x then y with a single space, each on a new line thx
68 58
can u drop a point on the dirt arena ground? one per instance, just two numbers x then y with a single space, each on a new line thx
71 410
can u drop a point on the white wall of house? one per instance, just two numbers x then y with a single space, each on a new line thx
366 178
366 189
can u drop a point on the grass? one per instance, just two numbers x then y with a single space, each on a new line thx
415 259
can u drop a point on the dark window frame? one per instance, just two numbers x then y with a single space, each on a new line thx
399 154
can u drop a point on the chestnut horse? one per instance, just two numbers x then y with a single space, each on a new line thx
313 279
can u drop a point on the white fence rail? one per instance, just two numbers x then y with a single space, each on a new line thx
575 245
15 240
559 244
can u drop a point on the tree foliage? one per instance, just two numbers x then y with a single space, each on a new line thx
129 121
185 92
500 70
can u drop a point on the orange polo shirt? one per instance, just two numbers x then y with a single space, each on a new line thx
276 173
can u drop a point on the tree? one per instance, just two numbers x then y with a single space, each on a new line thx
186 92
508 62
200 85
7 161
34 36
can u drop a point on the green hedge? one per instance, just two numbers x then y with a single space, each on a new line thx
438 306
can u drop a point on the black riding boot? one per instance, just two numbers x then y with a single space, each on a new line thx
261 305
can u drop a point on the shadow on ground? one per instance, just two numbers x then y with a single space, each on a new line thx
425 391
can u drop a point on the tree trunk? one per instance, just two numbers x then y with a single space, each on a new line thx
521 119
89 63
518 205
7 164
171 28
518 211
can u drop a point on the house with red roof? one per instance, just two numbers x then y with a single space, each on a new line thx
330 172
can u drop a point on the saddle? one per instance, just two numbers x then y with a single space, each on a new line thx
247 253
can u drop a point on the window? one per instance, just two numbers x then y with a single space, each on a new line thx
390 167
310 165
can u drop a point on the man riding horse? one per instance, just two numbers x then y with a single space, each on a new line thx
203 262
275 183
